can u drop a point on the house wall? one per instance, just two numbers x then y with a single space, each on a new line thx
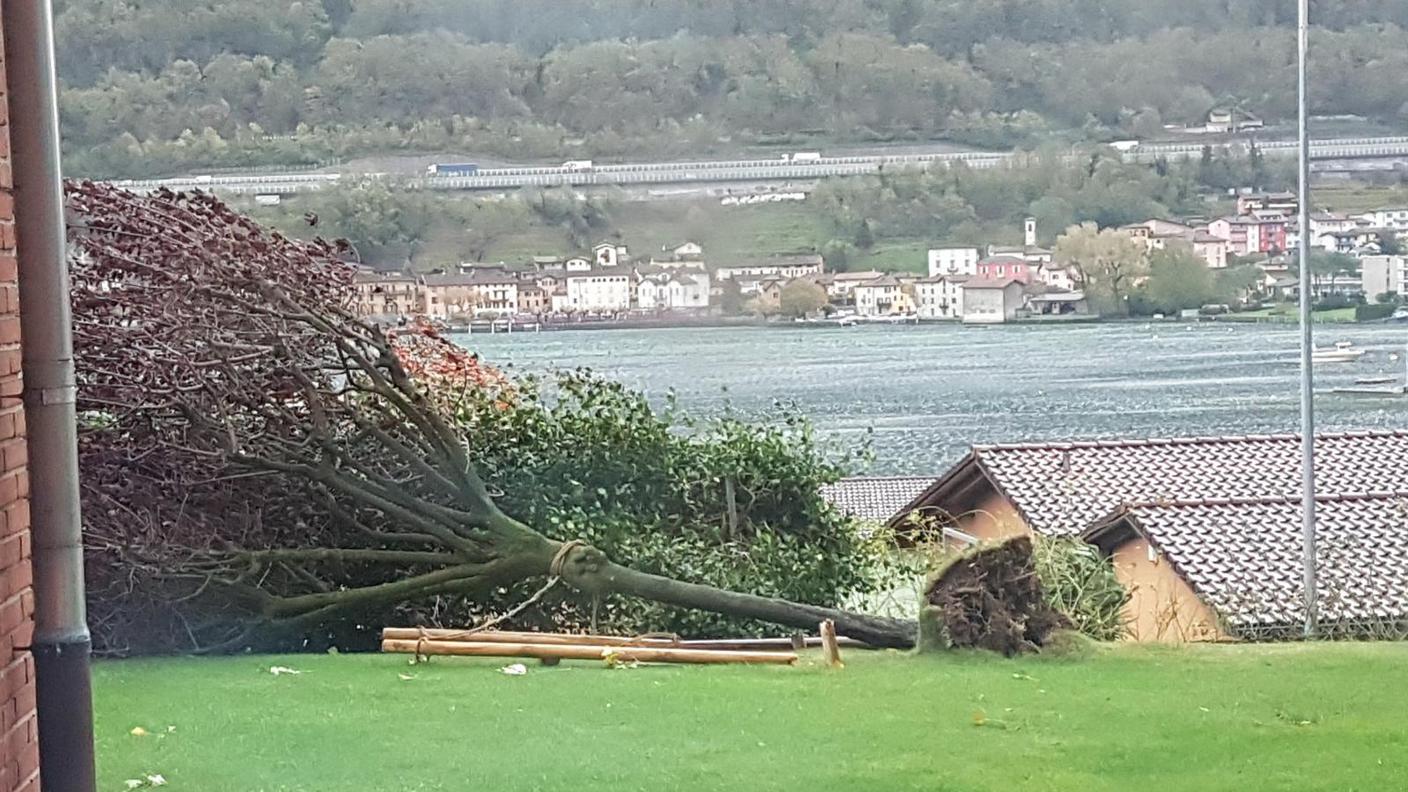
1162 607
19 756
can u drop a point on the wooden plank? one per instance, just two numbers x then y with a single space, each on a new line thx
644 654
829 650
578 639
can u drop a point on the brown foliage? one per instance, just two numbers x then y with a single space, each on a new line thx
991 598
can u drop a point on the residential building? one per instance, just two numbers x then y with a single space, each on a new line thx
1350 242
1235 502
1381 274
787 267
769 295
609 255
673 289
1395 219
486 291
1246 234
953 261
577 264
1231 567
689 251
991 301
1058 276
939 296
388 295
533 299
1283 204
882 296
1035 256
1211 248
600 290
1007 267
1331 222
840 287
1156 226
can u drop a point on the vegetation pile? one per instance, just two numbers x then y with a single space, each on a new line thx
989 598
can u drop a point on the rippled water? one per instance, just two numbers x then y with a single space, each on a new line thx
930 391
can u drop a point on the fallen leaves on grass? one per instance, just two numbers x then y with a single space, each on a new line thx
515 669
406 677
149 780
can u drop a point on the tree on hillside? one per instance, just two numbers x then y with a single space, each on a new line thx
262 461
1109 262
1178 280
802 297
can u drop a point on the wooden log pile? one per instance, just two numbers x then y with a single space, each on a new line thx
554 647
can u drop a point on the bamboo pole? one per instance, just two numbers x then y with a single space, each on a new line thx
577 639
644 654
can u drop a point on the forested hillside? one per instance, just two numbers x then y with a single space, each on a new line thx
161 85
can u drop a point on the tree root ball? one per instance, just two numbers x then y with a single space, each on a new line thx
989 598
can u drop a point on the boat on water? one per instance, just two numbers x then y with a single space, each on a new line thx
1381 380
1341 352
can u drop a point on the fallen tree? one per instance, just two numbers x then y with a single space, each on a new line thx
247 443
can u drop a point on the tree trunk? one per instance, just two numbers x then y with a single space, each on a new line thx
589 569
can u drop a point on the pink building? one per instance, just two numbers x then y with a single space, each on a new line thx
1006 268
1246 235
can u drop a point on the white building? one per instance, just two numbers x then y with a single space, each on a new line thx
673 290
1382 274
841 287
609 255
939 296
1057 276
991 301
1397 219
953 261
785 267
599 290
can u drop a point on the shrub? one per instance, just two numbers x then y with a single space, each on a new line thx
587 458
1373 312
1080 583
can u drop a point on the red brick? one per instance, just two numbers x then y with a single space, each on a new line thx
19 423
17 519
7 426
25 549
11 552
23 637
11 615
9 325
9 488
9 268
6 182
7 198
16 455
17 579
7 233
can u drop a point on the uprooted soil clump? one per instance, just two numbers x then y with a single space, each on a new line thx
989 598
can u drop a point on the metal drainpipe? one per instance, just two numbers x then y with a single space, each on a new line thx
62 645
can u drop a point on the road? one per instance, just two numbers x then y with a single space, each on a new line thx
1331 154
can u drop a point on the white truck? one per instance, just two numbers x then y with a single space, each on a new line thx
577 166
802 156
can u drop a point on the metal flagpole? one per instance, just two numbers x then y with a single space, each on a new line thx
1307 340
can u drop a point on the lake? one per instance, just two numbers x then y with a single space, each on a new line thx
927 392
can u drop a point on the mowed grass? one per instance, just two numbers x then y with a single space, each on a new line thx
1290 717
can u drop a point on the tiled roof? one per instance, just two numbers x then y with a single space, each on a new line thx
991 283
874 497
1063 488
1243 557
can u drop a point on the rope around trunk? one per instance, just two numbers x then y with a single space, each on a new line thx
554 577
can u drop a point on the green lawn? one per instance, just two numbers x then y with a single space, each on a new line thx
1290 717
1288 312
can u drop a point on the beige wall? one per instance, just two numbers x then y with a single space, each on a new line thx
1162 606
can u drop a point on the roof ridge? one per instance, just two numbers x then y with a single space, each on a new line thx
1144 442
1264 500
896 477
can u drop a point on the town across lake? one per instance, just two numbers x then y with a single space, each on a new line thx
925 393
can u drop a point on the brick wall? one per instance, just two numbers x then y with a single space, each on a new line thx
19 747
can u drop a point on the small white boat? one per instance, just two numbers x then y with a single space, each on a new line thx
1341 352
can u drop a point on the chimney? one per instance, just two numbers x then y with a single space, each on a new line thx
1030 228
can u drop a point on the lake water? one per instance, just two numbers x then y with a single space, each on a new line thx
928 392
